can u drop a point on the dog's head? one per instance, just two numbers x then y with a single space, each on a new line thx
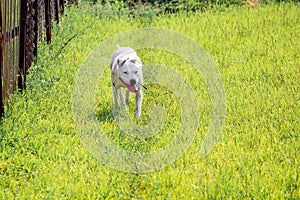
130 73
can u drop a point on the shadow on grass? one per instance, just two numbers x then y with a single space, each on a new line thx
104 112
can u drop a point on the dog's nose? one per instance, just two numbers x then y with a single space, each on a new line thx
132 81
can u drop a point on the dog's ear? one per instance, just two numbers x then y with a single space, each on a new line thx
136 61
114 68
121 62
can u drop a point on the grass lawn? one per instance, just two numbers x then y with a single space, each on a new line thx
257 52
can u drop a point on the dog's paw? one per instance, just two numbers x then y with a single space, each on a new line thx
137 114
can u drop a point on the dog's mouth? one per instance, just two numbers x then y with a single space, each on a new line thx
131 88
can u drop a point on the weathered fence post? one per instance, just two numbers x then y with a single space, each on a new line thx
1 64
21 25
61 7
23 16
48 21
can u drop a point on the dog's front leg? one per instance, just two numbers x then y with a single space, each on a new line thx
139 99
127 96
121 97
116 96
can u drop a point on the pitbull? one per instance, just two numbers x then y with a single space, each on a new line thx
126 71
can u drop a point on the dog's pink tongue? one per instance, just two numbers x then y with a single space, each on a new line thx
132 88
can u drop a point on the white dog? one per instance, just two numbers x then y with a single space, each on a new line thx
126 71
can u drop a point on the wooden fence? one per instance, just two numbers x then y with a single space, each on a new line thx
22 24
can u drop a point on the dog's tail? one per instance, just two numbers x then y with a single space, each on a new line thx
117 46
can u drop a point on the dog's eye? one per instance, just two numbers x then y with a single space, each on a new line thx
125 72
136 72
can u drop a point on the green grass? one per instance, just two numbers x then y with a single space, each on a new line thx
257 156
